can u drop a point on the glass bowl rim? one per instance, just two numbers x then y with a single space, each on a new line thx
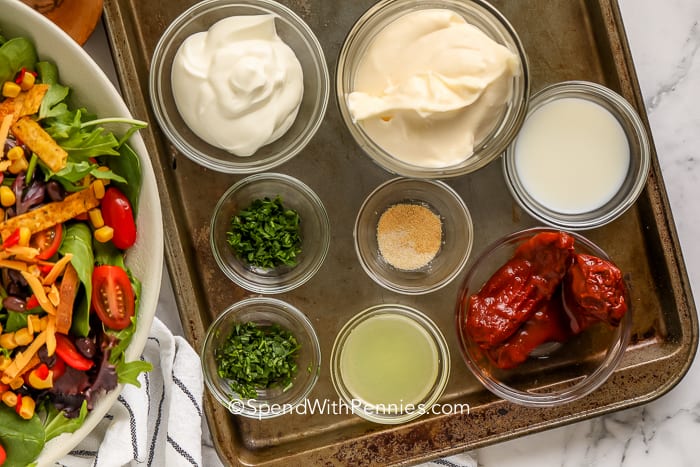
572 392
161 113
623 109
323 244
283 308
383 158
439 187
425 323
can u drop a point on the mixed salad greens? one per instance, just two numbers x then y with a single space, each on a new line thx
68 189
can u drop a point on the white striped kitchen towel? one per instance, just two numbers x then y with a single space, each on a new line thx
158 424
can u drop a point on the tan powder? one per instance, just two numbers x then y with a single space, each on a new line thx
409 236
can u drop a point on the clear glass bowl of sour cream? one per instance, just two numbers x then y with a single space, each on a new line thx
432 89
582 156
239 86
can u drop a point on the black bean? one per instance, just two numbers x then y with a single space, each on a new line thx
85 346
13 303
16 276
13 288
55 191
44 356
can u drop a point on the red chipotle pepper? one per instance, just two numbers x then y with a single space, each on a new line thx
548 324
519 288
594 291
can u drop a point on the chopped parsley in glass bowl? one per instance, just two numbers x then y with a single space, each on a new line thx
261 357
270 233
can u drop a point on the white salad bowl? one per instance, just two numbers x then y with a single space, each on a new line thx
91 88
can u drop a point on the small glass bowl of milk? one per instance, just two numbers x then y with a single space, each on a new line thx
581 158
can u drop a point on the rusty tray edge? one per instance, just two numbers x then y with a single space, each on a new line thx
178 248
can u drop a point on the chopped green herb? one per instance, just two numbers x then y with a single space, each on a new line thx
266 234
257 357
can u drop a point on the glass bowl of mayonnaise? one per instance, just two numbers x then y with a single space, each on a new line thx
433 89
239 86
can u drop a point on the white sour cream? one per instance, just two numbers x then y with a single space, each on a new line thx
238 86
430 86
572 155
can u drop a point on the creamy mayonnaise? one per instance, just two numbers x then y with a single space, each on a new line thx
430 86
238 86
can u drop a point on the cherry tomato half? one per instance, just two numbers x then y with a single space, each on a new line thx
112 296
47 241
70 355
117 213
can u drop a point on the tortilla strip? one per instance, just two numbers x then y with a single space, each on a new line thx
57 269
32 99
69 290
5 123
39 141
38 290
13 106
12 264
51 214
26 103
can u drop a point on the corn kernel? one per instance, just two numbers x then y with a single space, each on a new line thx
104 234
96 219
7 196
17 383
104 168
26 409
20 165
7 340
15 153
9 398
24 236
4 362
28 80
99 189
11 89
23 337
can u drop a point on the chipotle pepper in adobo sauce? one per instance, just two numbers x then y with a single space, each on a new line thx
545 293
519 288
593 291
548 324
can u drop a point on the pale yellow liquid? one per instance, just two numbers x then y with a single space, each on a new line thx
389 359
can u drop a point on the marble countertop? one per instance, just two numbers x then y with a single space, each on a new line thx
665 42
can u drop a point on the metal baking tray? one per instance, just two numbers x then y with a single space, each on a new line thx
564 39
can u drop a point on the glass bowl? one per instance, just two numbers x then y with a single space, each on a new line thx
632 182
554 373
477 12
315 232
354 375
273 401
455 244
294 32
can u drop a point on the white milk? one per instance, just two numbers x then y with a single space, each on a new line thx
572 155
